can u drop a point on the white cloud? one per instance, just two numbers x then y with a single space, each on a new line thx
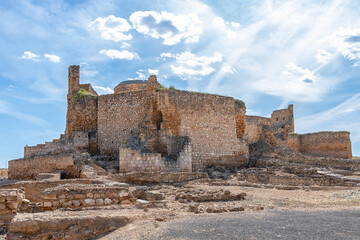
188 64
167 26
52 58
153 71
31 56
165 55
115 54
228 27
228 69
112 28
347 42
323 56
103 90
140 75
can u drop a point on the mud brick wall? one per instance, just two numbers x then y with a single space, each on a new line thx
25 169
209 122
119 115
78 196
253 129
130 87
327 144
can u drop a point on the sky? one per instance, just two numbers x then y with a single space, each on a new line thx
267 53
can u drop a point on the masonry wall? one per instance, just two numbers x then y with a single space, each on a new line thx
327 144
81 109
26 169
130 87
135 161
253 129
209 121
282 123
118 117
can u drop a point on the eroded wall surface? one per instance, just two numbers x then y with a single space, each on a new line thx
327 144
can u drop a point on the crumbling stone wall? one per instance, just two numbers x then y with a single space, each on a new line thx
254 128
282 123
79 142
240 118
327 144
9 199
119 116
179 160
26 169
210 122
81 106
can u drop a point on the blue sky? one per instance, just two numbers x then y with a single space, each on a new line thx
268 53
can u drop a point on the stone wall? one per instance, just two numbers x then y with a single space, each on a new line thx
282 123
253 129
79 142
79 196
3 173
119 116
81 106
30 167
136 161
130 87
210 123
8 207
327 144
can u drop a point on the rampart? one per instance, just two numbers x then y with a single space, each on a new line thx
328 144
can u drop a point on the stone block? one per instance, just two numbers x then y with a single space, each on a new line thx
47 204
107 201
76 203
90 201
99 202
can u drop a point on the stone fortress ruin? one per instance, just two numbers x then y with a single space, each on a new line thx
171 151
149 128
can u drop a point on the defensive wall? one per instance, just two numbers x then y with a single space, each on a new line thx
330 144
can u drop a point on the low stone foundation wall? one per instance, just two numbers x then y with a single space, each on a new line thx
79 196
156 177
26 169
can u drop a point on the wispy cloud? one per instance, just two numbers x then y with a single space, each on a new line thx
8 109
322 56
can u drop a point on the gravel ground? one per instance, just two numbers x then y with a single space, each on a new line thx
319 224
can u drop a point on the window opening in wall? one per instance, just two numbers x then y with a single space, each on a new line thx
159 121
284 118
277 119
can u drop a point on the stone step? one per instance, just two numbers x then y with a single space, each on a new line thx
336 175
